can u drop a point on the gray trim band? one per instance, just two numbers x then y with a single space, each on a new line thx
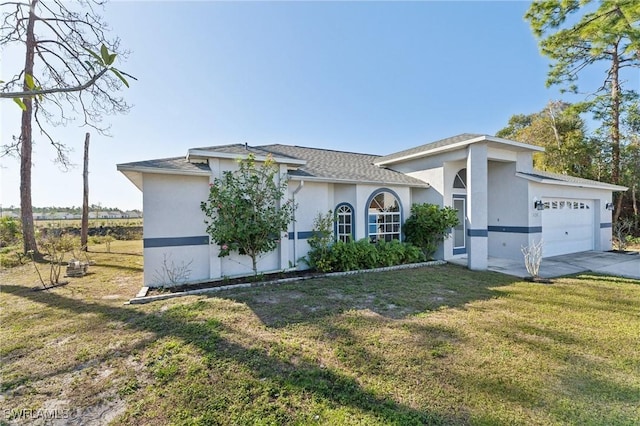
477 233
516 229
606 225
175 241
302 235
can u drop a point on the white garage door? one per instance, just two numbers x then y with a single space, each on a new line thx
567 226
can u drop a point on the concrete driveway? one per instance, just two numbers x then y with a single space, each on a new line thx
617 264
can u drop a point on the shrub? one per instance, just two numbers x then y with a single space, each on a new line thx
320 243
429 225
621 233
362 254
245 211
10 231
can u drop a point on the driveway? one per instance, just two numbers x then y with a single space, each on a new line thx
617 264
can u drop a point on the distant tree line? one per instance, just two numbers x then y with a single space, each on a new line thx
71 210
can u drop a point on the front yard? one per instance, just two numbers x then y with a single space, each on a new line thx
438 345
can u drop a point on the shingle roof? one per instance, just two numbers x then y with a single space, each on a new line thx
174 163
429 146
541 174
238 149
320 164
340 165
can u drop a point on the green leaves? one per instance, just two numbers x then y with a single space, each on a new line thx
245 210
28 79
119 75
106 60
20 103
104 52
95 55
429 225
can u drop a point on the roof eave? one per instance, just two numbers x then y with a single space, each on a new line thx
458 145
228 155
550 181
430 151
161 170
356 182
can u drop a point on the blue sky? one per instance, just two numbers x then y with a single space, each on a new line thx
372 77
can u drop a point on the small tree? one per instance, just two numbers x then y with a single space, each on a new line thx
621 229
320 243
532 258
246 211
429 225
55 247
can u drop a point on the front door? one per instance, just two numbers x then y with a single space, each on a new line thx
460 231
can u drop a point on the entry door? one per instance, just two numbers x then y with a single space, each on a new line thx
460 231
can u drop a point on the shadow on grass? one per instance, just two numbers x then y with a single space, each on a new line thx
308 378
395 294
115 252
607 278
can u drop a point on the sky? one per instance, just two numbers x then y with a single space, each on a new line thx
373 77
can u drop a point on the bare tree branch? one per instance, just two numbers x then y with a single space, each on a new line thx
29 93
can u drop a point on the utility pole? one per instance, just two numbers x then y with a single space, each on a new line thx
84 232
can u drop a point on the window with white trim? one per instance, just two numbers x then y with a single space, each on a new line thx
460 181
344 223
384 217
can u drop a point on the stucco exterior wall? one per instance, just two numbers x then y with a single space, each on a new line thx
174 232
313 198
434 177
508 215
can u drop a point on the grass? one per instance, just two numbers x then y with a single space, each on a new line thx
439 345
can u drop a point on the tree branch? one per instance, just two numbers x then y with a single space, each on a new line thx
29 93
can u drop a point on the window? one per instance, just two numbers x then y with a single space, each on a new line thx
344 222
383 216
460 181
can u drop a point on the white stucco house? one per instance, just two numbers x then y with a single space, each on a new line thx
503 203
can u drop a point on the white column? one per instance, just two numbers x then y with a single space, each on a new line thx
477 207
284 236
215 262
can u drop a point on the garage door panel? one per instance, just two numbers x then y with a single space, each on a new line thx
567 226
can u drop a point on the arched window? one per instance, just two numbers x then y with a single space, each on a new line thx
384 215
344 222
460 181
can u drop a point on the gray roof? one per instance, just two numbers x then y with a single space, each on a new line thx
339 165
321 164
174 163
429 146
544 175
239 149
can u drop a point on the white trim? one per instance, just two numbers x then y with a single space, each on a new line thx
552 181
457 145
358 182
217 154
159 170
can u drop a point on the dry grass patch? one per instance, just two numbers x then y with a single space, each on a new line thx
439 345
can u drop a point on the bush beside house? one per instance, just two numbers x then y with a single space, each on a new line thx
427 227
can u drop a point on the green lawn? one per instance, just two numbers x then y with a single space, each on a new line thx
438 345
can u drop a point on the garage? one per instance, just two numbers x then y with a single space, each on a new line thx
567 226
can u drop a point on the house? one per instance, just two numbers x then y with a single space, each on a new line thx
503 203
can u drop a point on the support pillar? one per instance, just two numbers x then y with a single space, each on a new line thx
215 262
477 207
